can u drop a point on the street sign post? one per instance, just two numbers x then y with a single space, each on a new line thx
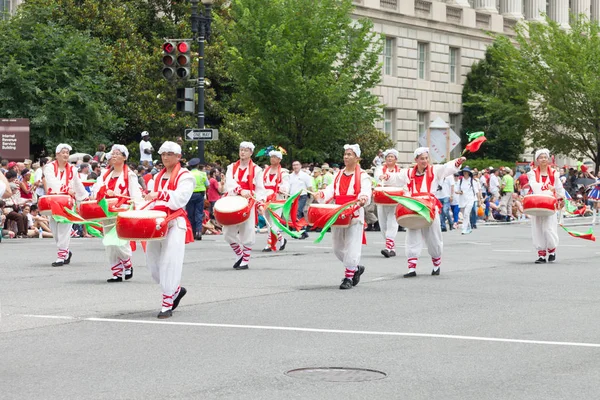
202 134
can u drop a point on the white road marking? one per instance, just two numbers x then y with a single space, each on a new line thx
378 279
317 247
317 330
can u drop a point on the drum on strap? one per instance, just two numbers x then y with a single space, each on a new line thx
232 210
410 219
539 205
90 210
45 202
142 225
318 212
380 195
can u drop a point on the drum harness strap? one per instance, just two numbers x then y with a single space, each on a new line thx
345 198
274 187
428 181
69 175
171 215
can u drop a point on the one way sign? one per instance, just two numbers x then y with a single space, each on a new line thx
202 134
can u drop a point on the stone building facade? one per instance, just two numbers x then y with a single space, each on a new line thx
430 46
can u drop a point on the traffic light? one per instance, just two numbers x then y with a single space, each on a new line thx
169 61
185 100
184 60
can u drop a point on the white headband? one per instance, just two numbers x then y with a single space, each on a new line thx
542 151
394 152
421 150
275 153
63 146
247 145
120 148
354 147
145 133
170 147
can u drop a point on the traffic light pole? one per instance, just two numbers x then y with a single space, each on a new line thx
201 31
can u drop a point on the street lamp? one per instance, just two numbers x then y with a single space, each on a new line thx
201 33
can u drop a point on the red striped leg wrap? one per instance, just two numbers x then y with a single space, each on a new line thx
542 253
436 261
177 292
63 254
167 301
126 263
246 255
552 251
412 263
236 249
117 269
389 244
280 237
350 273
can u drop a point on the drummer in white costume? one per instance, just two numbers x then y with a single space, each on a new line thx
350 183
545 180
173 187
244 178
62 177
388 175
118 181
277 184
425 178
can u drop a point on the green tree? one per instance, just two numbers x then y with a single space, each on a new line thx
307 68
500 110
56 76
559 70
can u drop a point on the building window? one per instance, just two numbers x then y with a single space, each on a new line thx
422 123
455 123
388 122
423 50
388 56
454 65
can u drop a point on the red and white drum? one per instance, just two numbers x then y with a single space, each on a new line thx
90 210
142 225
380 195
322 212
539 205
45 202
232 210
410 219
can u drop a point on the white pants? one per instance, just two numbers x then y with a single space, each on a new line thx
432 237
62 236
244 233
545 234
466 221
347 244
388 224
275 230
164 258
115 254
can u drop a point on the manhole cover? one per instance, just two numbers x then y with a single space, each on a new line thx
336 374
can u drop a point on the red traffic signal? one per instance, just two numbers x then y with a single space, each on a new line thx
183 47
168 60
168 47
184 60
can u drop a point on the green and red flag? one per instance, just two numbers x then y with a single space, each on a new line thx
588 235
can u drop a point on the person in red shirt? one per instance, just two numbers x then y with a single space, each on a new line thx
277 184
244 178
118 181
523 184
424 178
350 183
213 193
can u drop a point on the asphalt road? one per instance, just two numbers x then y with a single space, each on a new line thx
493 325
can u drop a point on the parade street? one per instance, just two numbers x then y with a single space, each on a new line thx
493 325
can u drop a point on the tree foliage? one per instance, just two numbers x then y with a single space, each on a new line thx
306 68
559 70
500 110
56 76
